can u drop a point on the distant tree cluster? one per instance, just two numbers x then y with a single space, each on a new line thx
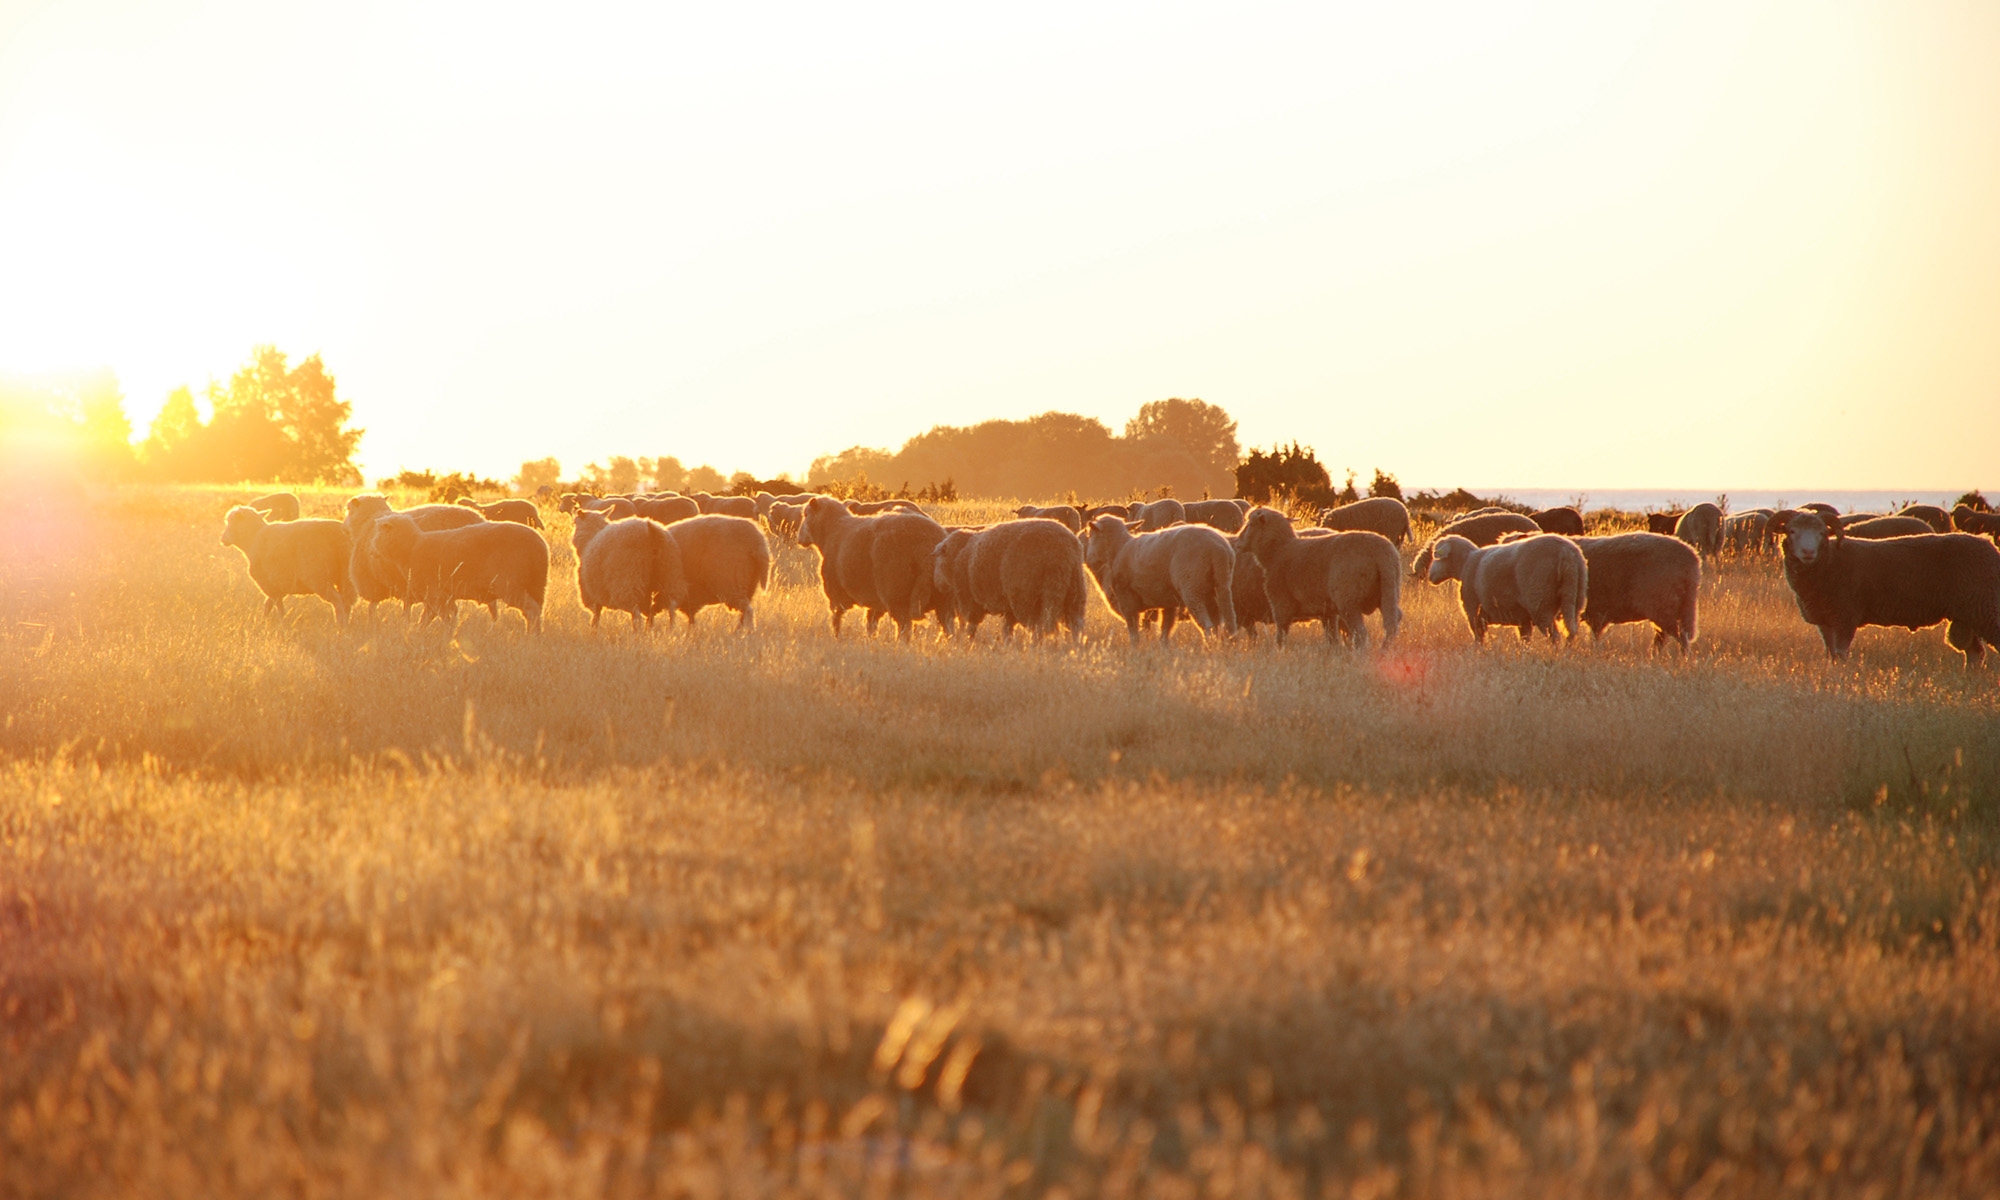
441 489
271 421
1171 447
74 424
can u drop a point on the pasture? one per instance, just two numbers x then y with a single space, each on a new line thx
290 911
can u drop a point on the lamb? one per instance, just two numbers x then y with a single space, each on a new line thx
1662 522
490 563
1188 567
1564 520
630 566
1066 514
1843 583
293 558
1480 531
1701 527
1641 577
1930 514
278 506
521 512
1028 572
725 560
1377 514
375 578
1336 579
1526 583
1970 520
1160 514
666 509
1216 514
880 562
1877 528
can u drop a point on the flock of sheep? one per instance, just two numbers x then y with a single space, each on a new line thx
1221 563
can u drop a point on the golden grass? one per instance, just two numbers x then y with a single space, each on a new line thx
394 913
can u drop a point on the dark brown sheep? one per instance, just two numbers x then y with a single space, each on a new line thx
1971 520
1642 577
881 563
521 512
490 563
1385 515
1335 579
1930 514
1663 522
1564 520
1480 531
1844 583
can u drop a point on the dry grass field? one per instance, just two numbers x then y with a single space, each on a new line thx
290 912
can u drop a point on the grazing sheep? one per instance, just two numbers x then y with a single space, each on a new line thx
1970 520
1526 583
628 566
1641 577
1160 514
764 501
1335 579
293 558
278 506
1121 511
725 560
880 562
666 509
1480 531
1188 567
952 582
1877 528
1824 509
1701 527
1930 514
1843 583
869 508
1028 572
783 518
1564 520
1216 514
728 506
1747 531
521 512
375 578
1662 522
1385 515
490 563
1065 514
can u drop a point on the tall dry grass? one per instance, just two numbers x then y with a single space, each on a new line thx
398 913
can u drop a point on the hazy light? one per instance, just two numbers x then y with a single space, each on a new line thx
1628 245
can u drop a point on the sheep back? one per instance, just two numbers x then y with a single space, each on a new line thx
629 566
1189 567
1563 519
1876 528
724 560
1385 515
1216 514
293 558
1482 530
1642 577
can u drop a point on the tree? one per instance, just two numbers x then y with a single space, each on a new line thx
68 422
536 475
1285 471
1384 484
1207 431
271 422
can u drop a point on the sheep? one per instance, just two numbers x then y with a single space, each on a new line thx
1216 514
1526 583
1662 522
1843 583
764 501
880 562
375 578
1188 567
784 519
1028 572
1121 511
1160 514
1480 531
1489 510
490 563
951 580
1747 531
630 566
1641 577
1564 520
869 508
1968 519
278 506
728 506
725 560
521 512
1066 514
1701 527
1877 528
1930 514
666 509
293 558
1336 579
1377 514
1824 509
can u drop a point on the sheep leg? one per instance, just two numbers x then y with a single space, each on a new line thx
1132 624
1330 626
531 611
1962 637
274 606
1169 616
746 618
874 619
837 614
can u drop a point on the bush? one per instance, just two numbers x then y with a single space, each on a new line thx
442 489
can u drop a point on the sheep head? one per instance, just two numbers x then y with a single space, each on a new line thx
1448 557
1806 537
240 527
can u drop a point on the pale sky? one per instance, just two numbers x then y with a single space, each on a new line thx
1551 245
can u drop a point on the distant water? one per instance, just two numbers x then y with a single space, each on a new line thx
1636 500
